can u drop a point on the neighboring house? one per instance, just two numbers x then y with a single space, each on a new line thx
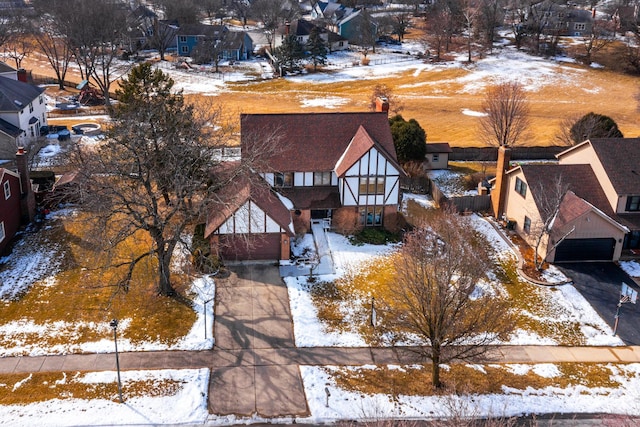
302 30
337 168
17 201
348 22
10 212
599 217
22 114
437 156
230 45
8 71
140 26
561 19
353 26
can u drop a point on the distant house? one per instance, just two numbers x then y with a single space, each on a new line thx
599 217
230 45
348 22
437 156
22 113
302 29
17 201
561 19
339 169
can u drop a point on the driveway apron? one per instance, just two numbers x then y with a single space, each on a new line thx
252 313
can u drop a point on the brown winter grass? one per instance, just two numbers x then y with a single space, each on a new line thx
84 295
345 304
436 100
458 378
44 386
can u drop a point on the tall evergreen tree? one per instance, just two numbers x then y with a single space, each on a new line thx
317 49
289 54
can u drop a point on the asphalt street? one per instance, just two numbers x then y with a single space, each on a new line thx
600 284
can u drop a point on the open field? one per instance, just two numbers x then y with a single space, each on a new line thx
444 97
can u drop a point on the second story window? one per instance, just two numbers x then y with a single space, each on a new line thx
7 190
322 178
182 39
371 185
521 187
633 203
31 107
527 225
580 27
283 179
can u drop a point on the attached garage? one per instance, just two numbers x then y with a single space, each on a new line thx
602 249
257 247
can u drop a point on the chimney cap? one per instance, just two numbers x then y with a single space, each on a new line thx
20 150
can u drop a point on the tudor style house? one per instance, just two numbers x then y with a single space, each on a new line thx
338 168
599 216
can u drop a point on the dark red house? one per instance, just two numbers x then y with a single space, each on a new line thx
17 201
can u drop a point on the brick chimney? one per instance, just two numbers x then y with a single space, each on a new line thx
27 197
382 105
499 190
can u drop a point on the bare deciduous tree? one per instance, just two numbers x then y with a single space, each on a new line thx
155 173
435 293
272 14
548 201
602 34
51 42
507 114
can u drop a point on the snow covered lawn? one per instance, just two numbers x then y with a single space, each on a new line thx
550 315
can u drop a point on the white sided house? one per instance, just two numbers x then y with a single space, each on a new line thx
22 113
336 168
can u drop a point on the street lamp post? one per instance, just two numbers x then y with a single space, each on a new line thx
114 325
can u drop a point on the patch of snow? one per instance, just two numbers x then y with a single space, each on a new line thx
330 102
632 268
468 112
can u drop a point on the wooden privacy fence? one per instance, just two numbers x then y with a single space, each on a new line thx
479 203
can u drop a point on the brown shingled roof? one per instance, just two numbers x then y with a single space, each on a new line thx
620 158
438 147
240 192
580 179
316 141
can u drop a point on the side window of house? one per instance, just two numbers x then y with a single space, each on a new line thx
2 231
31 107
41 99
184 49
7 190
527 224
521 187
580 27
183 39
633 203
283 179
436 157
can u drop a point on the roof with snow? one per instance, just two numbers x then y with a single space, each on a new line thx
16 95
315 142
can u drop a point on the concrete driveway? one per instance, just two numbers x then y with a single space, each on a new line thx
600 284
252 313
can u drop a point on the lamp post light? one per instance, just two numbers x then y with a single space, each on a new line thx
114 325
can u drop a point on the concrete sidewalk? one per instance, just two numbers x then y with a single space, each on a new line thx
316 356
